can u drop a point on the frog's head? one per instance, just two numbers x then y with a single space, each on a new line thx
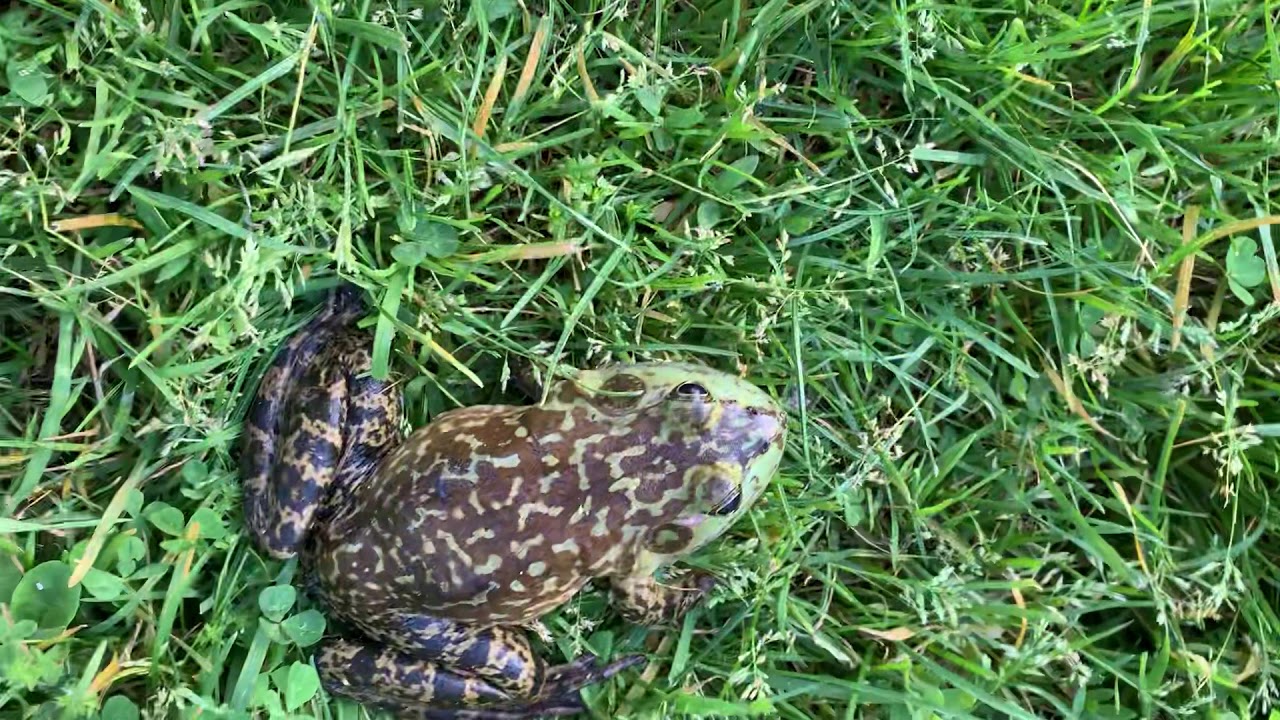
711 442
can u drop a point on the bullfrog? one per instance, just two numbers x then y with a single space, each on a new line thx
437 548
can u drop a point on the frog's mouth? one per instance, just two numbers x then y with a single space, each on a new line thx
729 505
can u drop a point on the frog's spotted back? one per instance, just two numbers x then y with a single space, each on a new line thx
521 506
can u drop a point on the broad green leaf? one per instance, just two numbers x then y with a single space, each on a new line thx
43 596
306 628
277 600
650 98
409 254
119 707
129 550
1241 292
1243 264
708 214
209 523
426 236
29 82
167 518
195 471
302 685
103 585
10 576
682 118
19 630
738 172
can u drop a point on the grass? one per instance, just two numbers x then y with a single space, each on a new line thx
1011 265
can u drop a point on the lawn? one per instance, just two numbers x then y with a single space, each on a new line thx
1009 265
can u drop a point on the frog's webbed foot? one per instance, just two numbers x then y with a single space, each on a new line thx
568 679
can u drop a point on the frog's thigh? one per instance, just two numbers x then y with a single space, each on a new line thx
387 677
338 422
644 601
310 447
439 689
285 465
502 656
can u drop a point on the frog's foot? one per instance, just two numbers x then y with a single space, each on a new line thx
499 655
560 693
569 678
524 378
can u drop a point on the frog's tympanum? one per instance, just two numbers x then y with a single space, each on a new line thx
434 548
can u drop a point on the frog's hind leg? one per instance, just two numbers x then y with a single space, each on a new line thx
385 677
438 668
314 419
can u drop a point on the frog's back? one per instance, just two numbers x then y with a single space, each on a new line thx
490 514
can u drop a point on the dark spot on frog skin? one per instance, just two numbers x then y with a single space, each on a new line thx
669 539
621 392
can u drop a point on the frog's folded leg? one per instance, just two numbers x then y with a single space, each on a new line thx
387 677
317 417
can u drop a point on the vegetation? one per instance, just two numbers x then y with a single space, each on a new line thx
1010 264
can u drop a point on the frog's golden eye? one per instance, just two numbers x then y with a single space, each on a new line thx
692 390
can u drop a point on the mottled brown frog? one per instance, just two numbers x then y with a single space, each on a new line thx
435 547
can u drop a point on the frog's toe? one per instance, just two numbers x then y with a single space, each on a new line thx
567 679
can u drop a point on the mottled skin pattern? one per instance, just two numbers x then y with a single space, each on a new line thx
436 546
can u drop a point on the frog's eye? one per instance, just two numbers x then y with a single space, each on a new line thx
692 390
730 504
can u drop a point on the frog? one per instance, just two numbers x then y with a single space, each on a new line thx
436 549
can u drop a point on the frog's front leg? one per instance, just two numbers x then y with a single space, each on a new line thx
642 600
439 670
316 419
